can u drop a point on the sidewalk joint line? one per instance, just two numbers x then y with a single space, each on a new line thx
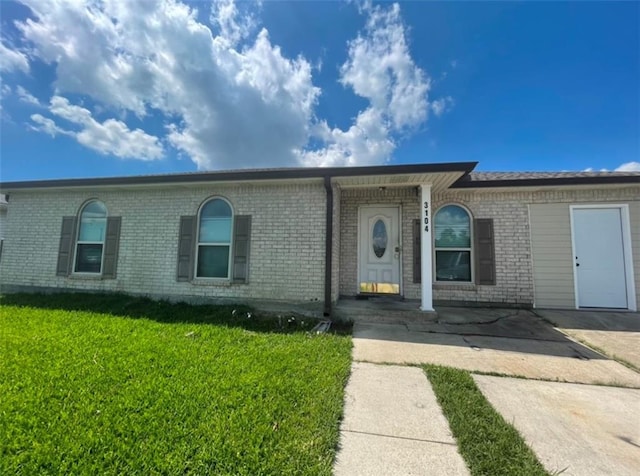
401 437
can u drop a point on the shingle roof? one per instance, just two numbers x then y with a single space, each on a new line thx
480 176
523 179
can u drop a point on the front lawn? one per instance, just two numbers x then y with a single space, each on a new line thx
94 384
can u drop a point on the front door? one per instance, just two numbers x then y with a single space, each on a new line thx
599 258
379 255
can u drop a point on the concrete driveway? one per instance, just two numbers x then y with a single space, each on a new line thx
505 341
577 429
616 333
574 428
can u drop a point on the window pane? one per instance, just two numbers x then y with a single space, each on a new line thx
95 209
88 258
452 228
92 229
453 266
215 230
213 262
216 208
379 238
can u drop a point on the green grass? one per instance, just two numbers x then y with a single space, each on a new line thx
488 444
109 384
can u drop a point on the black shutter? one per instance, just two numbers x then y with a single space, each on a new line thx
186 247
241 241
67 244
417 252
485 251
111 246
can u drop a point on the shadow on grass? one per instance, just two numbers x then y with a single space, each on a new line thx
123 305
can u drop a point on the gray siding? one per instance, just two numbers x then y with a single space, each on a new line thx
551 250
553 255
634 217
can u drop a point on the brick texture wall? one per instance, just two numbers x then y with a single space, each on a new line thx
287 240
509 211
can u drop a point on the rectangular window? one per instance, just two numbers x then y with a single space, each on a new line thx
213 261
89 258
453 265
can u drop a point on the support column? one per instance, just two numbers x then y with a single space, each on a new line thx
426 225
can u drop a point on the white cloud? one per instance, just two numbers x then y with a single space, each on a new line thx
110 137
229 98
11 60
26 97
380 69
233 25
442 105
629 167
46 125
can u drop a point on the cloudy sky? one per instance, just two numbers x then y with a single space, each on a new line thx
110 87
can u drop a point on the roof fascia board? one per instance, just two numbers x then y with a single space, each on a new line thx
243 176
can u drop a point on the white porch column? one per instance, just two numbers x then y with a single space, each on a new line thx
426 224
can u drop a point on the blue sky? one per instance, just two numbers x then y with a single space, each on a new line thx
127 88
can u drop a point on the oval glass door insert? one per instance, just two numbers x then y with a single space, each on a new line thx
379 238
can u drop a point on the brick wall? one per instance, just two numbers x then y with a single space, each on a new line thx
508 209
287 240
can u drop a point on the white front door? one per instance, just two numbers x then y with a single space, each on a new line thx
379 255
599 258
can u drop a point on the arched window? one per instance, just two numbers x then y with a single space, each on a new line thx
452 232
91 237
214 239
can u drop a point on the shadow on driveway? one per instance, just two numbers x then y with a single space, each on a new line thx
502 341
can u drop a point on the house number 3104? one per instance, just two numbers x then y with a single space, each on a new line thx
426 216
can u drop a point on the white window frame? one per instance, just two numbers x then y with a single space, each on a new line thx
230 245
469 249
78 242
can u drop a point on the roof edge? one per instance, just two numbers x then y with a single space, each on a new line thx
245 175
464 181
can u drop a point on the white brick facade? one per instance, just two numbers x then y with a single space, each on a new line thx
287 240
287 252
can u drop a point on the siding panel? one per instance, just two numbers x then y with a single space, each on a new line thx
551 251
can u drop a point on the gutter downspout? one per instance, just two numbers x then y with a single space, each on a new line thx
328 245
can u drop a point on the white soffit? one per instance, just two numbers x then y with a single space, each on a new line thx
439 180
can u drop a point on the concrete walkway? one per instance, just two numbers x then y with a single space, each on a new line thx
393 426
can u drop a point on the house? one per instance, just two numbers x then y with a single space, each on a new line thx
3 219
434 233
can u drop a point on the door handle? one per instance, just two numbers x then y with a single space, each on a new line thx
397 249
577 264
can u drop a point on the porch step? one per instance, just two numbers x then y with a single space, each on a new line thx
382 311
